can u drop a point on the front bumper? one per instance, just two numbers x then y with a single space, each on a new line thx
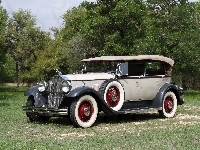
46 111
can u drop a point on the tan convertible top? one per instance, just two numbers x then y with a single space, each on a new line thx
128 58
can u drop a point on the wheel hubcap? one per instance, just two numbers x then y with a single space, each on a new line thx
85 111
113 96
168 104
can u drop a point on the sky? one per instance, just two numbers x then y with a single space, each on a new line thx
47 12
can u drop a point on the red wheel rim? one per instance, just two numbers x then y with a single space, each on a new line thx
113 96
85 111
168 104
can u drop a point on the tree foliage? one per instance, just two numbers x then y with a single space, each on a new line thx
112 27
173 32
3 20
23 38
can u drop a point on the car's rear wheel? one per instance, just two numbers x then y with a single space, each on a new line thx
83 111
113 94
33 116
169 105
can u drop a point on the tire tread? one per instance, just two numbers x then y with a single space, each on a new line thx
72 113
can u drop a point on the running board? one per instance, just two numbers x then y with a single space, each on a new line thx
138 110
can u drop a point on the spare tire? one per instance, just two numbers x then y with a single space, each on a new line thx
113 93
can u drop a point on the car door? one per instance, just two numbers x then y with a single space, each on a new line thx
150 87
132 81
132 88
152 80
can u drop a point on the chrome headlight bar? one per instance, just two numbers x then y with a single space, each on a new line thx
64 85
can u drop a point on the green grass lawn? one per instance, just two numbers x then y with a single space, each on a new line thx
146 131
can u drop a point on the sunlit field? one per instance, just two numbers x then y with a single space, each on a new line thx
141 131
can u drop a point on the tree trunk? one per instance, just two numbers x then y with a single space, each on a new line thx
17 75
183 80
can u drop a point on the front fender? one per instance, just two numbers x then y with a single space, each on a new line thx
100 101
167 87
39 98
81 90
31 91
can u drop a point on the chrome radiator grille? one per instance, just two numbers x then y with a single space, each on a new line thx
56 95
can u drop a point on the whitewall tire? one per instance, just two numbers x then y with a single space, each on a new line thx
169 106
113 94
83 111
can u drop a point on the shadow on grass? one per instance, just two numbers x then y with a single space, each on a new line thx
13 88
126 118
4 104
192 93
56 120
4 97
101 119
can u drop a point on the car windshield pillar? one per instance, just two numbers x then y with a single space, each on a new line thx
122 69
84 69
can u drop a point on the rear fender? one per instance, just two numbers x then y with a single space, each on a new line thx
158 101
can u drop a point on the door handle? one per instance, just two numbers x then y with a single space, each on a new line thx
137 84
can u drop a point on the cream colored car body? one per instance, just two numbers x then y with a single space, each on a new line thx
93 80
137 84
136 88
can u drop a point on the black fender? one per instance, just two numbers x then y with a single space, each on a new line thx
88 90
158 101
81 90
40 98
31 91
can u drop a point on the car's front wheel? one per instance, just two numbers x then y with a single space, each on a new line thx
83 111
169 105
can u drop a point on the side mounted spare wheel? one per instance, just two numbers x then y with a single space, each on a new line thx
113 94
169 105
83 111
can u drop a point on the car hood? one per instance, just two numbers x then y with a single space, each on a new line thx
88 76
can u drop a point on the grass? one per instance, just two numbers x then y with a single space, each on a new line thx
146 131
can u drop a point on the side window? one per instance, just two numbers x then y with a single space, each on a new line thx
136 69
167 68
154 68
123 68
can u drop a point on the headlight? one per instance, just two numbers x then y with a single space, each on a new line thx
66 86
42 86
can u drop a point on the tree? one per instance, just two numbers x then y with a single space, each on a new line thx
112 27
173 31
42 60
3 20
22 40
72 46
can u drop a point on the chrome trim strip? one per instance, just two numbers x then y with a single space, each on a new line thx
138 111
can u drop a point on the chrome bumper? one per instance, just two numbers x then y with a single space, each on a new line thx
49 111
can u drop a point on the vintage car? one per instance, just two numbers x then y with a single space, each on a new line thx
134 84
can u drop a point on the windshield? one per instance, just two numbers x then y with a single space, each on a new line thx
99 67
